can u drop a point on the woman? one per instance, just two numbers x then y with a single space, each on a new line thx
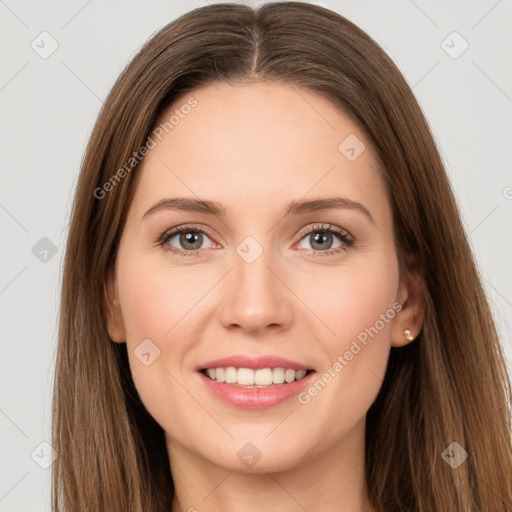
325 342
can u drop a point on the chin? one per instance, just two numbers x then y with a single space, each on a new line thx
260 455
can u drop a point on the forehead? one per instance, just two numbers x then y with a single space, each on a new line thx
256 145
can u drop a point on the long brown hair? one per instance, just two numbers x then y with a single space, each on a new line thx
449 385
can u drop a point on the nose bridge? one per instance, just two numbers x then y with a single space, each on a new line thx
255 298
253 278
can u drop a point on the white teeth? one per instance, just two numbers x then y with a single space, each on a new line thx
231 375
289 375
263 377
220 375
248 377
245 376
278 375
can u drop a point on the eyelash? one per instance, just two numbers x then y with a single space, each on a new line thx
344 236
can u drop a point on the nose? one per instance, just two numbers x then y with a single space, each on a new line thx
254 296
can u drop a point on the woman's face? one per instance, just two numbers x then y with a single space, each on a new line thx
271 276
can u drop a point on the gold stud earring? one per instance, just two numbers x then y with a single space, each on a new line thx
407 334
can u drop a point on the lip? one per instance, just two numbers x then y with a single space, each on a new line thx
255 363
255 398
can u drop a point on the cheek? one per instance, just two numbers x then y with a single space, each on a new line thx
166 305
351 299
156 298
357 306
155 302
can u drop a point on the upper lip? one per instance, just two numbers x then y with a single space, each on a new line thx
256 363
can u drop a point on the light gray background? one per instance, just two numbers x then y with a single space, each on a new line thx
48 107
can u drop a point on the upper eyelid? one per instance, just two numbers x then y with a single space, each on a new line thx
328 227
178 229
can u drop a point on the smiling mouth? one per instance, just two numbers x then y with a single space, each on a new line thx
249 378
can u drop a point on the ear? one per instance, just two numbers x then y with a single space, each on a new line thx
410 317
115 323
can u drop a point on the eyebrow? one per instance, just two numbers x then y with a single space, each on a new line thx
294 208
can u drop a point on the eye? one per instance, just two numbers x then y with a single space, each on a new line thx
190 239
322 239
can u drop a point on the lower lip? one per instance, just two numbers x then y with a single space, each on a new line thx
256 398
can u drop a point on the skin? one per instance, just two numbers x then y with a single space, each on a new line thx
254 148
